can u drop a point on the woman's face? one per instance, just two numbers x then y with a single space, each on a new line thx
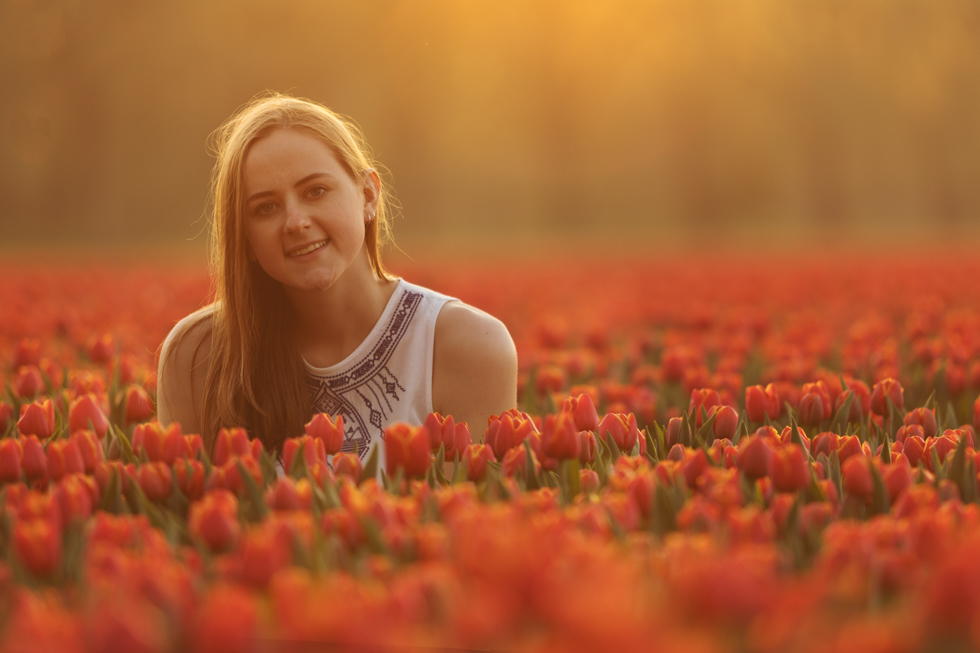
304 214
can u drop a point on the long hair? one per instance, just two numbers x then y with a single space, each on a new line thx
255 376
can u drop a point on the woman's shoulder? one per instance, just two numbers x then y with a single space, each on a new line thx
183 368
190 333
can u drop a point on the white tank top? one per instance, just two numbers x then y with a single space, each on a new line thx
388 378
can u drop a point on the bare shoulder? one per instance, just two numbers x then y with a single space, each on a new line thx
184 360
474 365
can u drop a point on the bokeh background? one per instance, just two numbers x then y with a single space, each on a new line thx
506 124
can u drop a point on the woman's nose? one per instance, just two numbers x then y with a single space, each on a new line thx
296 218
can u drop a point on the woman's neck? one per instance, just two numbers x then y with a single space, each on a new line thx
330 324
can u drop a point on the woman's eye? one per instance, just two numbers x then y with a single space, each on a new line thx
317 191
265 208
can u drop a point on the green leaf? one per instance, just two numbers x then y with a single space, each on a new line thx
572 486
969 491
177 502
879 495
835 474
125 448
298 468
886 450
937 468
931 400
840 420
613 447
258 509
957 468
743 428
268 467
440 461
651 447
951 419
459 471
531 481
371 466
706 434
663 518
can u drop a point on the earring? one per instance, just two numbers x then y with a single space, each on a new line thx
370 217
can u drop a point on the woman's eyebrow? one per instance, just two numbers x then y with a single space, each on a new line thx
299 183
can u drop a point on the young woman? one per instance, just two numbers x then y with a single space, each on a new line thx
306 318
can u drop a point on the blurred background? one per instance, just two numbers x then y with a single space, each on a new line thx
630 125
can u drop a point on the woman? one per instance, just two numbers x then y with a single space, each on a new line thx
306 318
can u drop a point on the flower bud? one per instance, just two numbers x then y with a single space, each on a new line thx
85 413
11 453
925 418
475 458
348 464
507 431
408 448
64 458
887 388
139 406
38 545
190 478
754 457
35 461
214 519
582 411
330 432
90 449
28 383
790 471
230 442
156 480
37 419
560 438
703 398
622 429
313 451
726 421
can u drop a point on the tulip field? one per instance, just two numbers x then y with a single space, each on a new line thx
757 453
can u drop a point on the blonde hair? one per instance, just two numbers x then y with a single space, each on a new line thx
256 377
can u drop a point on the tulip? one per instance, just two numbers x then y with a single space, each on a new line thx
6 412
89 448
227 619
85 413
786 436
139 406
75 498
761 402
264 550
441 432
924 418
35 461
214 520
622 429
11 453
673 434
907 430
848 446
38 545
507 431
28 352
103 473
190 478
160 444
313 451
101 348
461 440
230 442
515 461
754 457
289 494
790 471
37 419
812 408
64 458
824 443
156 480
703 398
330 432
976 415
855 412
192 444
475 458
726 422
407 447
228 477
583 411
348 464
588 480
560 438
816 516
914 447
856 480
587 453
887 388
897 476
28 383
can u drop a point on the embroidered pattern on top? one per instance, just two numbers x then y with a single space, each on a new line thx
368 380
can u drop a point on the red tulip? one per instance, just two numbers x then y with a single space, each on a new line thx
515 461
156 480
908 430
330 432
348 464
824 443
289 494
896 476
11 454
813 409
28 352
673 434
857 478
28 383
855 412
754 457
703 398
587 453
407 447
230 442
313 451
101 348
475 458
925 418
38 545
507 431
588 480
582 411
90 449
622 429
35 461
85 413
139 406
64 458
913 448
214 520
726 422
163 444
6 412
560 439
760 402
75 498
190 478
37 419
887 388
790 471
848 446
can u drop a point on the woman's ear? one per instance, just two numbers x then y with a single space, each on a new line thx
372 193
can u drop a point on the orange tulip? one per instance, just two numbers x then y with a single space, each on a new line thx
407 447
475 458
85 413
331 433
38 545
214 520
37 419
11 454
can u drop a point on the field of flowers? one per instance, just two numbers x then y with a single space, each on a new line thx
711 454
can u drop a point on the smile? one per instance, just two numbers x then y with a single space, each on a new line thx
307 250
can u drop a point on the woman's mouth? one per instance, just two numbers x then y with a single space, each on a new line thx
308 249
